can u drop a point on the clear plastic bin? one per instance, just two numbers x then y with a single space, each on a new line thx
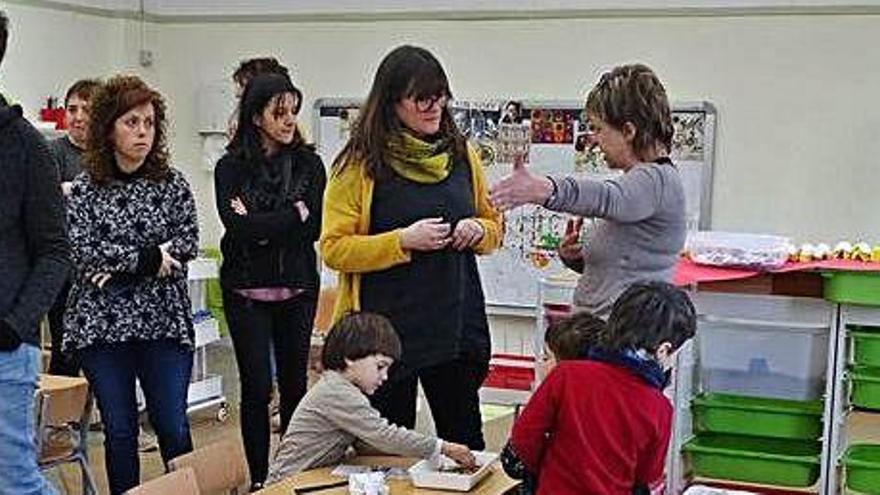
785 361
738 250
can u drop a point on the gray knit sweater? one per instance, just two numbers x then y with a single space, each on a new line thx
332 416
639 236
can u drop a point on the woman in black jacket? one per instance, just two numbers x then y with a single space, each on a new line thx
269 189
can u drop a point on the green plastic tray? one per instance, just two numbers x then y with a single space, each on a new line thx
862 464
758 416
852 287
788 463
866 346
865 387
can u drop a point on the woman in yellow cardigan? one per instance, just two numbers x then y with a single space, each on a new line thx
405 212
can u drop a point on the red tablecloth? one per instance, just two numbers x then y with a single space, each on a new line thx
687 272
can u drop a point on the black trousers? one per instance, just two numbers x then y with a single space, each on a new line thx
61 363
253 325
452 389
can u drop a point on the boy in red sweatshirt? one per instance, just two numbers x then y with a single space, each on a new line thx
601 426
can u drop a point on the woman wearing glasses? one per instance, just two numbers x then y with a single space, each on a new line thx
269 187
406 212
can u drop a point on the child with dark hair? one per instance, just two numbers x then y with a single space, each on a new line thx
336 415
602 425
570 337
565 339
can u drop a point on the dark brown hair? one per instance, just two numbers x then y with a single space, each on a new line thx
263 91
569 338
251 67
633 93
407 71
4 34
84 88
648 314
116 97
358 335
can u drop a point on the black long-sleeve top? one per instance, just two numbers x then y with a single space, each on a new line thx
272 245
34 252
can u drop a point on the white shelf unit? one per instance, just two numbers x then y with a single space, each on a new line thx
780 313
849 425
205 389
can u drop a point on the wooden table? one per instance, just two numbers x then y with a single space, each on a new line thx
496 483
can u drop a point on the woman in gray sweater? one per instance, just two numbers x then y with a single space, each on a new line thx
641 214
336 416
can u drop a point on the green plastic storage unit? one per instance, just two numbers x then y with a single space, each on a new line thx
866 345
861 288
862 465
758 416
784 463
865 387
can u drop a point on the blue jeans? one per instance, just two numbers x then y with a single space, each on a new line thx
163 368
19 474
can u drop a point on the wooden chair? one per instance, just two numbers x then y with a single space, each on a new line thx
219 467
63 411
181 482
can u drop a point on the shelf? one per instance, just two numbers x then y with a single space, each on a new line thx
756 487
202 269
206 332
862 426
503 396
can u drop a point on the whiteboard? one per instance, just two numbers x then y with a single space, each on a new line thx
511 275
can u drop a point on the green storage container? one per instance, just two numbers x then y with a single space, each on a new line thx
866 345
758 416
865 387
789 463
862 465
853 287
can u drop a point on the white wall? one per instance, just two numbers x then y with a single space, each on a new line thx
796 95
50 49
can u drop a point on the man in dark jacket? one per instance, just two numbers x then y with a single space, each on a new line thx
33 263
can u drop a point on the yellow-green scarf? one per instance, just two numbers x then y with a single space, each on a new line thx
417 160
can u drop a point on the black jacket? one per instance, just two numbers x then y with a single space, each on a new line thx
34 252
270 246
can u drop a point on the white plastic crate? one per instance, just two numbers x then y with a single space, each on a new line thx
784 361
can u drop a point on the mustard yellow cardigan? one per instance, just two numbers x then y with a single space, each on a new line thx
347 247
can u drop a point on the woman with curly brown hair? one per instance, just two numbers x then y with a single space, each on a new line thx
132 230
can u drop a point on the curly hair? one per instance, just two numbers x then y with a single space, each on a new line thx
633 93
252 67
115 98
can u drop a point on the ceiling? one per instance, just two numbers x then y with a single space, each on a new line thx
209 8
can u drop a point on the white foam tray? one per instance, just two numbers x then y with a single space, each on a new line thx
424 476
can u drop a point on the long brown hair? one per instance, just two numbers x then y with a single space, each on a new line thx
116 97
407 71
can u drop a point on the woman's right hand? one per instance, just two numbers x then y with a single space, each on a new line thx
427 234
571 248
169 263
459 453
238 206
